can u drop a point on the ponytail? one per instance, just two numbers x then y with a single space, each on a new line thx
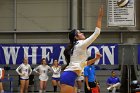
69 49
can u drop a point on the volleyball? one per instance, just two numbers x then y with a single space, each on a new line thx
122 3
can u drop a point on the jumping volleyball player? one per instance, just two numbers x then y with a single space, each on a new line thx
24 70
76 55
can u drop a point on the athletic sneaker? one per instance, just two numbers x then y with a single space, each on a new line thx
108 88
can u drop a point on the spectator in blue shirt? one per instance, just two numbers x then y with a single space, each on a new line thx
89 73
113 82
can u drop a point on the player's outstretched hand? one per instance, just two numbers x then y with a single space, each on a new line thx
100 15
98 55
101 11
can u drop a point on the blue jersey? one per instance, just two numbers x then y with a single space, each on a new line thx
113 80
89 72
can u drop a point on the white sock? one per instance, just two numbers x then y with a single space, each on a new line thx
114 90
78 90
40 91
109 87
44 91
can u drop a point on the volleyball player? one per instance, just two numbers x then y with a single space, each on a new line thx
42 71
1 77
76 55
24 70
56 69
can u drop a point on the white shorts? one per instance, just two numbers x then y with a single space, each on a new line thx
80 78
43 78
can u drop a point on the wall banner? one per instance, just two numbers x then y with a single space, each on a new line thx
14 53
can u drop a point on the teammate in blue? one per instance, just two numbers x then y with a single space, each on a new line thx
76 55
89 73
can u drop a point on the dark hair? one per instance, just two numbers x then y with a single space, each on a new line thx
69 49
42 60
72 35
54 61
112 71
89 58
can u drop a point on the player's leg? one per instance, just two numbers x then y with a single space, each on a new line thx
66 89
54 83
44 86
26 86
22 86
1 88
41 86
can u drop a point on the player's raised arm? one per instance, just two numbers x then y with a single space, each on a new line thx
93 37
100 15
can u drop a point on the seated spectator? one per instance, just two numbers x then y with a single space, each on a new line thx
113 82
